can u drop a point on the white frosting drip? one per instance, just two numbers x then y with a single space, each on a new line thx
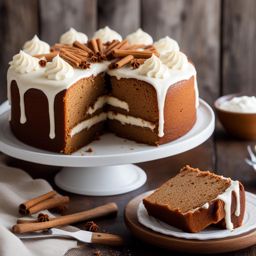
153 67
140 37
174 60
226 197
161 85
50 88
24 63
72 35
110 100
205 206
243 104
36 46
58 69
166 44
107 35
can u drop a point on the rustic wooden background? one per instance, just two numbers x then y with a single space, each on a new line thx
218 35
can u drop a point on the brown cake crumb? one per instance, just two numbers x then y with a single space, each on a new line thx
89 150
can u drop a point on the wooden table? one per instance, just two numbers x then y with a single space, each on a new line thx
221 153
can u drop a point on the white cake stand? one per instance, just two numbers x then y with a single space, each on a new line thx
108 170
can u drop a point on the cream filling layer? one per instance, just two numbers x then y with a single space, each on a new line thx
108 100
123 119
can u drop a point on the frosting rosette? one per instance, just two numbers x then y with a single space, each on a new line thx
153 67
174 60
166 44
140 37
36 46
107 35
58 69
24 63
72 35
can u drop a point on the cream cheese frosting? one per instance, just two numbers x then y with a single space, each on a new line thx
36 46
107 35
166 44
72 35
140 37
153 67
24 63
58 69
174 60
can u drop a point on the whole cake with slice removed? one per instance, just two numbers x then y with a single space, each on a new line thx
62 97
194 200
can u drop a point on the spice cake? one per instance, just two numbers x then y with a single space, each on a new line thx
194 199
62 97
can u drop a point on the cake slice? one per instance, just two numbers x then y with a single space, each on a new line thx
194 199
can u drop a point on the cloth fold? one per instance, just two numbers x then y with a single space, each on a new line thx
16 186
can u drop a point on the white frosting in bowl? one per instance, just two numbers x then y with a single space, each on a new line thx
140 37
243 104
174 60
58 69
72 35
36 46
107 35
166 44
24 63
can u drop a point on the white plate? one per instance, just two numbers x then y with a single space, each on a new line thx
110 149
249 223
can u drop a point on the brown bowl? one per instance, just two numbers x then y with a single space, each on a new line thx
240 125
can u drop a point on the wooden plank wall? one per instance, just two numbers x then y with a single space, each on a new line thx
218 35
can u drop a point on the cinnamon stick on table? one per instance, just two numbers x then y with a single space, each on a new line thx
100 211
23 208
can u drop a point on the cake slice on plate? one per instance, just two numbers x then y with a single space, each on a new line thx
194 199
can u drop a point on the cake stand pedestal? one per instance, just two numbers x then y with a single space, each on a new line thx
108 169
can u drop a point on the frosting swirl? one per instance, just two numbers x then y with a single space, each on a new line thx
107 35
140 37
174 60
166 44
24 63
153 67
36 46
72 35
58 69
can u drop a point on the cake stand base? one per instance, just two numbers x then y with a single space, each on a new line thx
101 181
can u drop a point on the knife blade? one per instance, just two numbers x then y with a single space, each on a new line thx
81 235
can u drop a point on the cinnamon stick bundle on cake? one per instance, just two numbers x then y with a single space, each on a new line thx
194 199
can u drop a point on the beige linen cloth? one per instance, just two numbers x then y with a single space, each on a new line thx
17 186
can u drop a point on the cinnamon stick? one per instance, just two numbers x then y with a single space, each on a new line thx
83 47
134 53
47 56
32 202
100 211
111 47
134 47
100 45
122 62
122 44
94 45
48 204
